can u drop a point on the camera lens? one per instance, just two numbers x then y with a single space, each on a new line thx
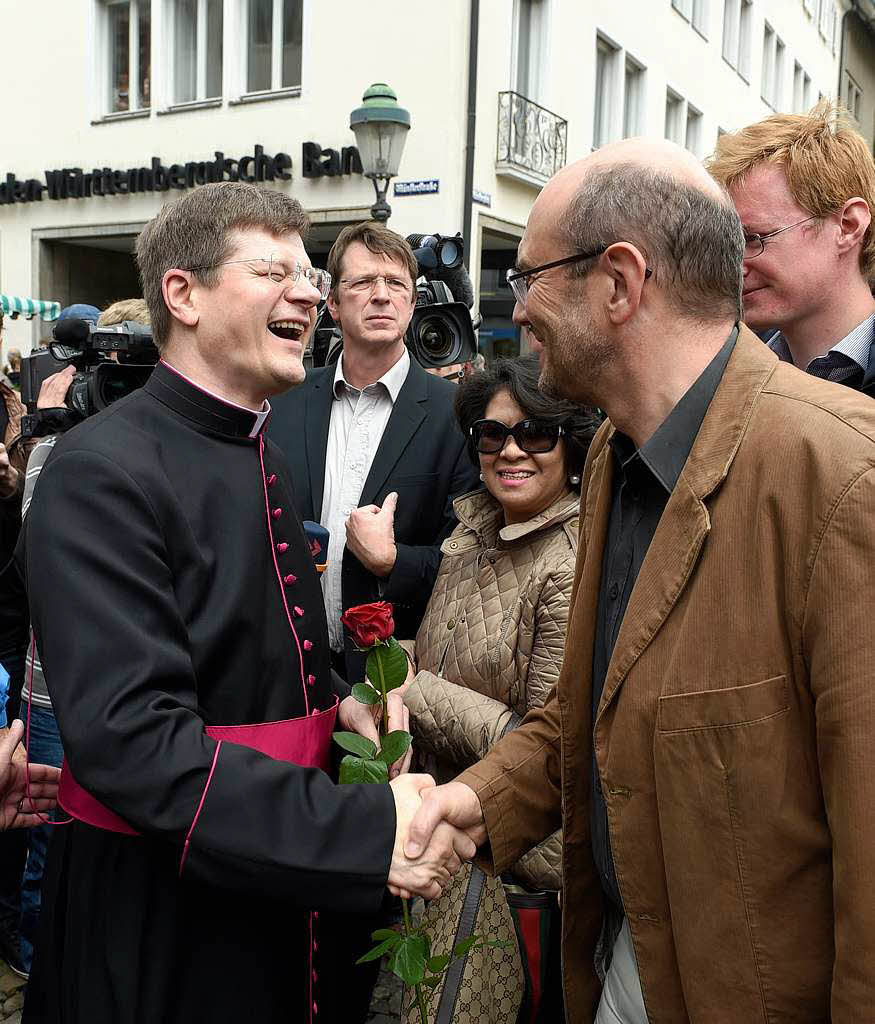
437 340
449 253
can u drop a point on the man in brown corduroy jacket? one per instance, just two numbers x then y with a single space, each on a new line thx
710 747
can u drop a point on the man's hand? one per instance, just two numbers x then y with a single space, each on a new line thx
454 803
9 475
364 718
442 856
54 389
16 809
370 536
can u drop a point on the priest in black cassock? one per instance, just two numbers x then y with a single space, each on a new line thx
182 632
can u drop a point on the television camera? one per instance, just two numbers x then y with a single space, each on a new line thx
99 379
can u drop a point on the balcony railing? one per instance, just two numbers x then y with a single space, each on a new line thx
531 140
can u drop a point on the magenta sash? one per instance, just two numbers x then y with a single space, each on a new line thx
303 741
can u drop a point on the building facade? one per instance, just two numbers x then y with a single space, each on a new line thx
141 100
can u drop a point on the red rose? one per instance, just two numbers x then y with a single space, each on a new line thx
369 623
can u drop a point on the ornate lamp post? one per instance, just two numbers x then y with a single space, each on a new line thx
381 128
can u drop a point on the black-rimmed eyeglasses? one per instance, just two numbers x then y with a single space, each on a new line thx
519 279
754 245
531 436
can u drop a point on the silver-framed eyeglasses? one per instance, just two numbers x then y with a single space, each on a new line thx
365 284
518 280
754 245
279 271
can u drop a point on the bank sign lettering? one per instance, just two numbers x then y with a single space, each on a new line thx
75 183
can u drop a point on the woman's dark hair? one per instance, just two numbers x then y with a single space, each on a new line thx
519 378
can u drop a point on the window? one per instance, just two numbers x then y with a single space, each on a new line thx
273 45
694 11
853 95
127 31
530 36
801 89
195 28
773 68
683 122
693 134
633 99
737 26
674 117
826 21
605 91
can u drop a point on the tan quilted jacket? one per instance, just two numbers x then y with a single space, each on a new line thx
490 645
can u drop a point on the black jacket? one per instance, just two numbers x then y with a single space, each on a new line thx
421 456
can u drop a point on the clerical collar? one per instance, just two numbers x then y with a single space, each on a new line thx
204 407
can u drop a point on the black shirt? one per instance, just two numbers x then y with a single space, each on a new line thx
642 484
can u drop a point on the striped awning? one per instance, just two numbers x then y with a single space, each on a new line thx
15 306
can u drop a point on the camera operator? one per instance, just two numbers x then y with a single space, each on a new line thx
381 461
804 187
44 738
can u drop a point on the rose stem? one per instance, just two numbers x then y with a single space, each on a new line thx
384 724
420 1001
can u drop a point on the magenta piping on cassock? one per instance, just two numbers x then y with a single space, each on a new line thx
279 575
197 813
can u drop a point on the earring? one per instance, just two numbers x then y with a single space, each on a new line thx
482 478
574 479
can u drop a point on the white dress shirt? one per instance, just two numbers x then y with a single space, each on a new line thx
358 419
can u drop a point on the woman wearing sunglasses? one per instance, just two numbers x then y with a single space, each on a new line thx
490 647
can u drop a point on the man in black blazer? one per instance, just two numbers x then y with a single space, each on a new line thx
380 442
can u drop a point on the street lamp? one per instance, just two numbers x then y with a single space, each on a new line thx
380 127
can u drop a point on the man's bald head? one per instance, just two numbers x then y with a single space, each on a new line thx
657 196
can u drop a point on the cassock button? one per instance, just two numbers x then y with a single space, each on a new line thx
298 611
277 512
315 1008
291 578
271 480
315 946
282 547
311 679
308 645
315 915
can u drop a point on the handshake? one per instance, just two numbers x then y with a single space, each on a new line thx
436 829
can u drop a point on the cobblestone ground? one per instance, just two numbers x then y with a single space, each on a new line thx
11 995
386 1004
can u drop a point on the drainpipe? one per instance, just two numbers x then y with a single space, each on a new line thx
473 34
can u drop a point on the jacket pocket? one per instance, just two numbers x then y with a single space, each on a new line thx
723 709
731 785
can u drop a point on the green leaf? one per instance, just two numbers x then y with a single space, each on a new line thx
431 982
395 744
378 951
438 964
461 948
360 769
409 959
499 943
385 933
355 744
365 694
394 663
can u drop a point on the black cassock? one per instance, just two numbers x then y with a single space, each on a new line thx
162 550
